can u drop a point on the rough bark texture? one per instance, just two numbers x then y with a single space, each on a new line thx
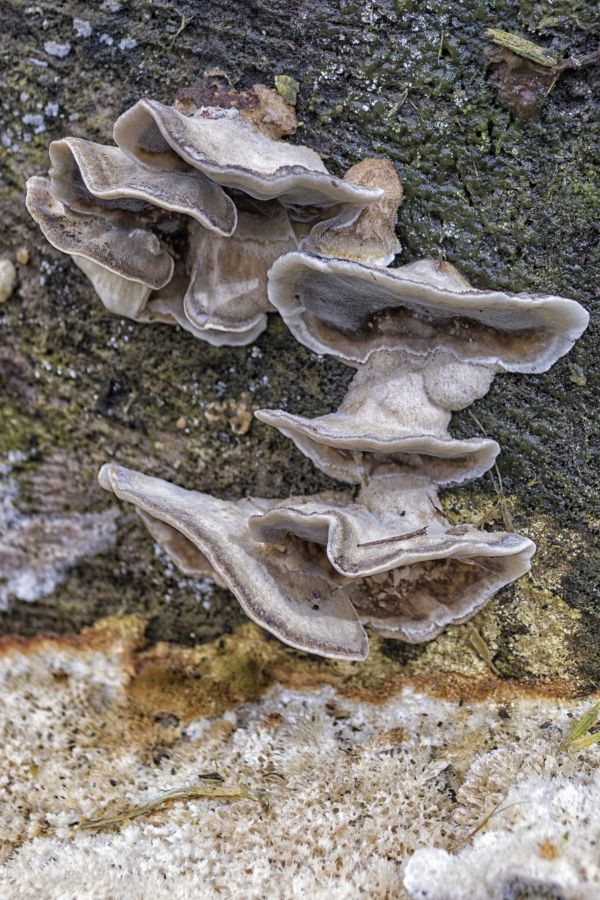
514 204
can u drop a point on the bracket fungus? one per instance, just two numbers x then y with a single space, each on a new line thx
227 292
85 175
229 150
181 221
424 342
412 574
351 311
313 570
283 588
203 217
395 413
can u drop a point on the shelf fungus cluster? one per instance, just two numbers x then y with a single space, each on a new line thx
181 220
203 216
424 343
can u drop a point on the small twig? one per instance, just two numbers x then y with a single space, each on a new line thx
399 102
481 649
501 503
497 809
476 420
574 62
396 537
438 509
273 774
135 812
522 47
506 513
219 73
541 57
471 562
184 23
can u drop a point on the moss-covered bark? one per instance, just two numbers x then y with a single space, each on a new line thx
513 204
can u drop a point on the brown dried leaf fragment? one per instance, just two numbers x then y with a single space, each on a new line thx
265 108
522 83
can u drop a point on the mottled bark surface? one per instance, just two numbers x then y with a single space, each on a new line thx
513 204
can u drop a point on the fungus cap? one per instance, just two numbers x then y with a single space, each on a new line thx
85 174
416 603
365 235
227 149
351 311
118 294
167 306
226 298
365 537
395 415
112 240
411 573
355 450
283 589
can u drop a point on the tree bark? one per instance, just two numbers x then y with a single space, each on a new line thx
512 203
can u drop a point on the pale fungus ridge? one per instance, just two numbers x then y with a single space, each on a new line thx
396 413
92 177
420 572
181 222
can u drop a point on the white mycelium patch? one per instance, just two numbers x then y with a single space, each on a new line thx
415 798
